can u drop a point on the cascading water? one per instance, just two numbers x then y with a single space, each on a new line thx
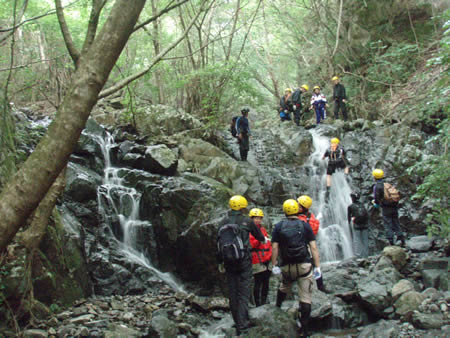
334 238
117 201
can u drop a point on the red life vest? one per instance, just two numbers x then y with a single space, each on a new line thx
261 253
311 220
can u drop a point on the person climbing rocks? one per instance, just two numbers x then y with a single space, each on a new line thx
297 102
286 105
261 255
234 252
339 98
243 132
318 103
291 239
336 160
304 204
387 196
358 215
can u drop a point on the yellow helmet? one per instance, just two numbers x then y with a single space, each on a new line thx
335 140
290 207
378 174
316 87
335 78
288 90
305 201
238 202
255 212
305 87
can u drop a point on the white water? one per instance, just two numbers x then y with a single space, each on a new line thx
124 201
334 239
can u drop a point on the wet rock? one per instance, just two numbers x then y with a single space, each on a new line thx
389 328
121 331
435 273
160 159
82 319
269 321
427 321
430 293
164 327
375 289
397 255
297 140
81 183
409 301
208 304
419 243
35 333
400 288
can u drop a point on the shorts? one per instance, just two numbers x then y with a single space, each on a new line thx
332 166
291 273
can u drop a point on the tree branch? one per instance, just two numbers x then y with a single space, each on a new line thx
156 59
73 52
97 6
338 28
164 11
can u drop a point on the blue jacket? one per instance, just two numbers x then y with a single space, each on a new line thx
242 125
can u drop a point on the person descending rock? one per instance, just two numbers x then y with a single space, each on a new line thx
234 251
290 240
357 213
243 132
387 196
304 203
261 255
336 160
286 105
297 102
339 98
318 102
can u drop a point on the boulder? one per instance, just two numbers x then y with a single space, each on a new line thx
159 159
400 288
397 255
120 331
375 289
435 273
81 183
35 333
409 301
164 327
297 140
419 244
427 321
208 304
387 328
269 321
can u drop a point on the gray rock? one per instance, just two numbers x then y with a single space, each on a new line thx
84 331
419 243
430 293
400 288
160 159
435 273
35 333
434 308
164 327
427 321
128 316
386 328
209 303
82 319
409 301
81 183
270 321
121 331
397 255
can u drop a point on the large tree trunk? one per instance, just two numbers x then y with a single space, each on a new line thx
30 184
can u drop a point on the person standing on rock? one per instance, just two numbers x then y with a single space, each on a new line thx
318 103
292 241
386 196
304 203
358 215
243 132
286 105
261 255
336 160
339 98
297 102
234 252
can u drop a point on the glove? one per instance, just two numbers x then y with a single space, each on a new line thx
221 268
276 270
317 274
267 239
286 111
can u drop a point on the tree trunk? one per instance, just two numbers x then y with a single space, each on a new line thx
157 49
27 188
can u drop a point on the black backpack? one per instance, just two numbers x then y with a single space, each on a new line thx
294 248
360 213
229 243
233 126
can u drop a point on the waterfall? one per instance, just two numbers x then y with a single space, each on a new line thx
334 238
119 202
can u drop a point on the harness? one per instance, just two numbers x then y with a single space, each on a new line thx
334 155
296 268
258 253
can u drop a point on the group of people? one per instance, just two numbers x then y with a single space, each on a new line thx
245 248
291 102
